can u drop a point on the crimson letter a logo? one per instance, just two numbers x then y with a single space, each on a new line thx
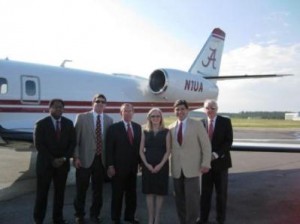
211 58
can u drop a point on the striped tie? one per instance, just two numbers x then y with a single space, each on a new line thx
98 136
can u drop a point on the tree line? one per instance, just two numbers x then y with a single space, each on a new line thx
257 115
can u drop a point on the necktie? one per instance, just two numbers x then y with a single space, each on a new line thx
129 133
57 129
179 134
211 129
98 136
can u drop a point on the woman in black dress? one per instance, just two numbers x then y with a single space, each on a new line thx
154 152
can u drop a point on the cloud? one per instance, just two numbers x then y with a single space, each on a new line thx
103 36
274 94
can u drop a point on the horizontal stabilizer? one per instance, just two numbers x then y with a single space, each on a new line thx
219 78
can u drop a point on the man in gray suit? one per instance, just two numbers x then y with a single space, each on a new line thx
89 158
190 155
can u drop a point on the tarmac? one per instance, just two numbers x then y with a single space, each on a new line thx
264 187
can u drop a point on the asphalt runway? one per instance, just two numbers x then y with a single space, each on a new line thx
264 187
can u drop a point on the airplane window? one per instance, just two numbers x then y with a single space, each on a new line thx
30 88
3 86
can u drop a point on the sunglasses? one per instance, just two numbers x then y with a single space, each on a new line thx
155 116
100 101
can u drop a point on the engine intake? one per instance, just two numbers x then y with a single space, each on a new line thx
158 81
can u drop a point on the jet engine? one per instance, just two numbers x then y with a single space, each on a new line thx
174 84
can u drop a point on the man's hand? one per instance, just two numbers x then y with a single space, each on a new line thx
204 169
111 171
77 163
57 162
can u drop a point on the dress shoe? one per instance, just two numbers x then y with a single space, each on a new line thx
95 220
61 221
201 222
79 220
134 221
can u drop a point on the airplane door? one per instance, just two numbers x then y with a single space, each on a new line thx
30 89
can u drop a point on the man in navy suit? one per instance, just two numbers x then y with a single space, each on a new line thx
122 159
54 139
221 136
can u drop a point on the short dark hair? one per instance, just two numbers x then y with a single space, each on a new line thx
181 102
51 102
99 95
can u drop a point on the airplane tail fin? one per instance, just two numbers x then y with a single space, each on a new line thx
208 61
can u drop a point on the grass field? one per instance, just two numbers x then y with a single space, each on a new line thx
254 123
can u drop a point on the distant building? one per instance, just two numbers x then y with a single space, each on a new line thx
292 116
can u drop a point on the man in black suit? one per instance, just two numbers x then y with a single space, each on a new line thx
122 159
54 139
221 136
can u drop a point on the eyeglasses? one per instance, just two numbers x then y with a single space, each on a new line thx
100 101
155 116
210 108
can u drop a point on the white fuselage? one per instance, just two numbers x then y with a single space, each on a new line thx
27 88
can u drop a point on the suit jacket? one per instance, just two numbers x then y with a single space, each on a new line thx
120 153
193 153
221 142
49 147
85 148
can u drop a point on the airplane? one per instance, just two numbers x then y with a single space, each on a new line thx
26 88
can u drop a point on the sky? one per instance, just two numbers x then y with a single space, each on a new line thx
138 36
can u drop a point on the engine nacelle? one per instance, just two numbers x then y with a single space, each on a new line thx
173 84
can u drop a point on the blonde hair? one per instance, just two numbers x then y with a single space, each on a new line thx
148 126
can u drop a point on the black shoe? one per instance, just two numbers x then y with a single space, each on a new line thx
134 221
79 220
95 220
61 221
201 222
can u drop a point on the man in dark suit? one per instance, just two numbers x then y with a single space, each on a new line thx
89 158
54 139
221 136
122 159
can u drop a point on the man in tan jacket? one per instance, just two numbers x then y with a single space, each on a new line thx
190 156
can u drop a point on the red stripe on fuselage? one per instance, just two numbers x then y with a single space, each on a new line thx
16 106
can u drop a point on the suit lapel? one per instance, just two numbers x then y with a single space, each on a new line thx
217 123
90 123
188 129
104 123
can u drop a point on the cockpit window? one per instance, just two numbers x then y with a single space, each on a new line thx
3 86
30 88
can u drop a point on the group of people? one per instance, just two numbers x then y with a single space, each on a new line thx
100 148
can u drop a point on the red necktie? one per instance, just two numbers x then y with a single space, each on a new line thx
179 134
57 129
129 133
98 136
211 129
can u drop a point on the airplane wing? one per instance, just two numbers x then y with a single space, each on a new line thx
229 77
16 134
265 147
